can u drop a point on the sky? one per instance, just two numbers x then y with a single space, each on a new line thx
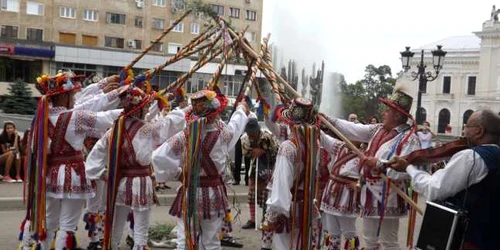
349 35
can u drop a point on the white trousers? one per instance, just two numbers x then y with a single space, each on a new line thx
208 232
62 215
98 202
388 233
97 205
340 225
283 241
141 226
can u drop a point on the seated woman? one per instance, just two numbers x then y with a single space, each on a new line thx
10 147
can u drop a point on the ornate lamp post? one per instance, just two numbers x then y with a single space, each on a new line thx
423 76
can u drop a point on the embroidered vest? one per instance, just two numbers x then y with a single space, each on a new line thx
129 166
61 152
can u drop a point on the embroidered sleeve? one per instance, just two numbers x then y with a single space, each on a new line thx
177 144
102 83
287 150
85 120
113 95
227 136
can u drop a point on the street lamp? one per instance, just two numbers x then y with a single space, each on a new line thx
422 76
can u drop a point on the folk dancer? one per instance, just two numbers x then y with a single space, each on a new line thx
57 182
381 205
340 198
197 157
291 206
126 151
95 206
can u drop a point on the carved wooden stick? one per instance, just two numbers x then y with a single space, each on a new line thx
163 34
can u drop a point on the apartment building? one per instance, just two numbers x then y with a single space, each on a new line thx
101 36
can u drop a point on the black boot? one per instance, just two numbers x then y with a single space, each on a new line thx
130 242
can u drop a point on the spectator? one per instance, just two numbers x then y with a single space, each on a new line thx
374 120
448 129
425 135
11 152
353 118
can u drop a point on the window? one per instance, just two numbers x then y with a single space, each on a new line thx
67 38
33 8
89 40
446 84
173 48
234 12
251 15
160 3
158 24
138 44
218 9
178 28
90 15
233 84
471 85
68 12
250 36
138 21
195 28
10 5
34 34
78 68
134 44
9 31
113 42
111 70
115 18
158 47
443 120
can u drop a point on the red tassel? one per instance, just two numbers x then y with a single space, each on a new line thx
70 241
42 235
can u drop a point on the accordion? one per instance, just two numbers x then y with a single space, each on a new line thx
443 228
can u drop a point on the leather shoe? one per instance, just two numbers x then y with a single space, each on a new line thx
230 242
249 225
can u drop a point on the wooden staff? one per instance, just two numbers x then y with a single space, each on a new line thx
266 54
220 67
348 143
163 34
199 38
196 67
215 77
250 63
181 54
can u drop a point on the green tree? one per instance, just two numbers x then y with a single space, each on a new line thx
378 83
362 97
19 100
352 99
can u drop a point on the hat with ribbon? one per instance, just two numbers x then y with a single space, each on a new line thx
301 110
206 103
134 100
400 101
59 84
